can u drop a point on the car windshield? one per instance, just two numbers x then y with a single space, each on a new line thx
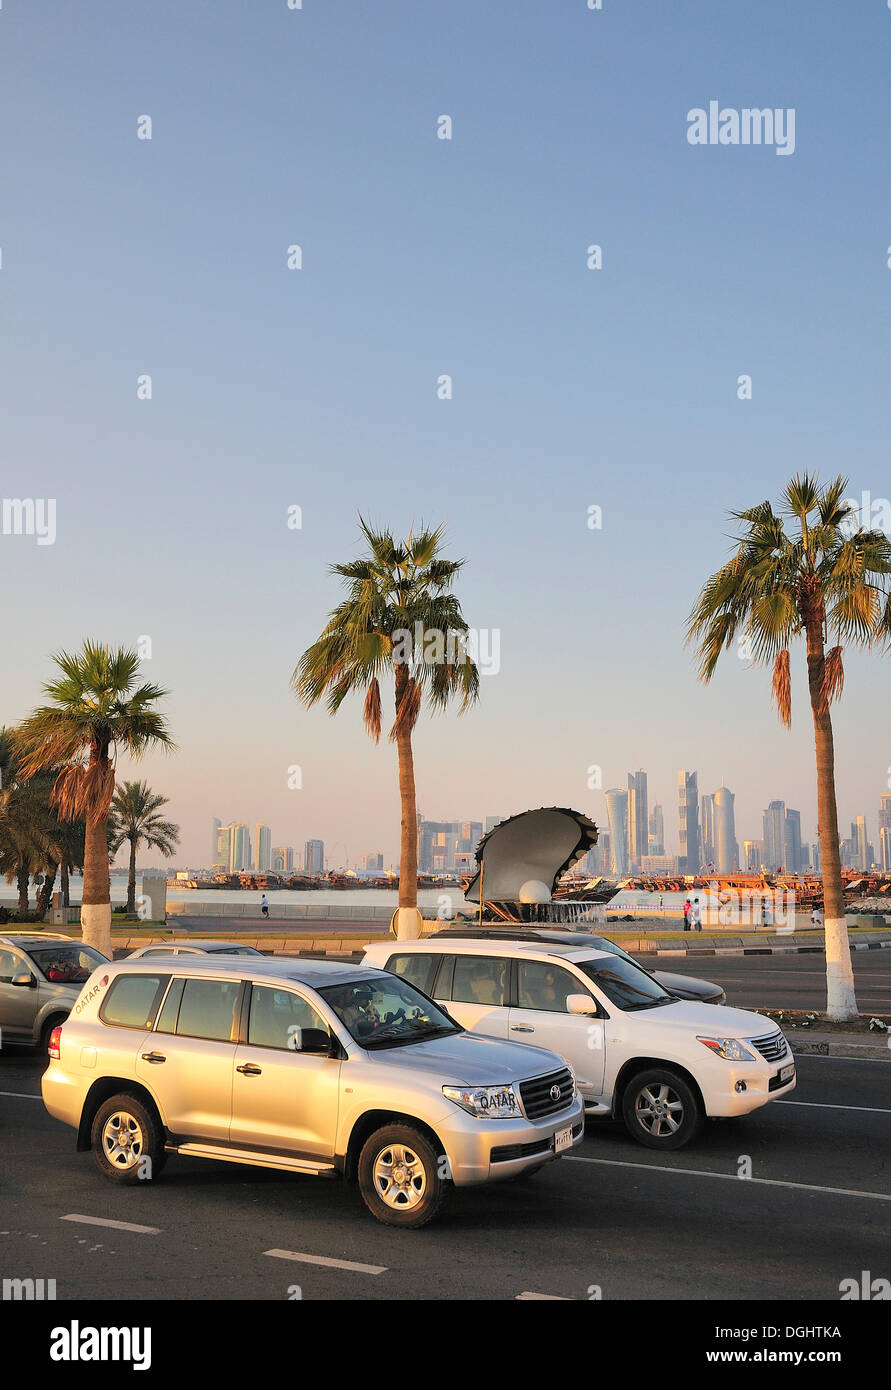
601 943
67 963
625 984
387 1013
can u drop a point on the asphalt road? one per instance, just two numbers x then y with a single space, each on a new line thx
786 982
612 1217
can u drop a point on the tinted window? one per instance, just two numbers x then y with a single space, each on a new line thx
170 1008
67 963
480 980
624 983
543 986
278 1017
130 1002
386 1012
207 1009
10 964
416 967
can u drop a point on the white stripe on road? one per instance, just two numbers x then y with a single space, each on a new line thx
824 1105
21 1095
328 1263
730 1177
115 1225
551 1297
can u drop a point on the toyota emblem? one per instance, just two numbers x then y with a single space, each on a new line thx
555 1093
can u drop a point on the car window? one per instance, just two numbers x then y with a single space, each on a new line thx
207 1009
387 1012
480 980
131 1000
278 1017
170 1008
544 986
624 983
415 966
161 951
10 964
69 963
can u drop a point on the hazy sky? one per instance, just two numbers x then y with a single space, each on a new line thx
421 256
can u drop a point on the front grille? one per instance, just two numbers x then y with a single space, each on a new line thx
772 1046
536 1095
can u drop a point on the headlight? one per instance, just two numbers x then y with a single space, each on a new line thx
486 1102
731 1049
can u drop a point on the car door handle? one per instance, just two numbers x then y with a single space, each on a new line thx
250 1069
153 1057
521 1028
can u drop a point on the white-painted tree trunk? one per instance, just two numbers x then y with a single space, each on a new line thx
408 923
841 1001
95 921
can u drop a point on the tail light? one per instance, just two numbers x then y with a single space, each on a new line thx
54 1048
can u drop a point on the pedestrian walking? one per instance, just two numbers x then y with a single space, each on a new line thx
264 905
688 907
816 919
696 915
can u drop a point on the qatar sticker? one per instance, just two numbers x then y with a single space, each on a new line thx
91 994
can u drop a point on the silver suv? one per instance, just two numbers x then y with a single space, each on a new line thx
307 1066
41 975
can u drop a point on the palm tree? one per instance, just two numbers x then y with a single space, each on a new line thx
398 619
827 581
28 829
134 817
93 711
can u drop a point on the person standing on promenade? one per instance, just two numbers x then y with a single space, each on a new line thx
696 915
264 905
816 919
688 907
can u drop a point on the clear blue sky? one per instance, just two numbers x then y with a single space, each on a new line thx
421 257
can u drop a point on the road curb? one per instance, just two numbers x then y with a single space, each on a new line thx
811 1047
759 950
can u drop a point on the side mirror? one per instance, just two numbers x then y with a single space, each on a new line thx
24 979
315 1040
581 1004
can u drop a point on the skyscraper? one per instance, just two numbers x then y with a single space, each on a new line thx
752 851
239 848
638 817
775 835
707 829
726 849
314 857
283 859
884 813
689 858
861 845
617 814
656 843
263 848
792 842
885 849
215 840
223 838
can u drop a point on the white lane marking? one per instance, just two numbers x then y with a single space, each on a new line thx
21 1095
729 1177
328 1263
821 1057
551 1297
824 1105
116 1225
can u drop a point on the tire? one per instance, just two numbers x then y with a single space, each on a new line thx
413 1199
660 1109
51 1023
125 1116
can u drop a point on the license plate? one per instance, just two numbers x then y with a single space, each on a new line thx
787 1072
562 1140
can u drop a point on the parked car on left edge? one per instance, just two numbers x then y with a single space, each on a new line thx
41 975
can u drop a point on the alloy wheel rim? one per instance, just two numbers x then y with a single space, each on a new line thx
399 1177
659 1110
122 1140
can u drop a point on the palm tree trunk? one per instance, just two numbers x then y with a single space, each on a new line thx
131 881
65 884
21 878
45 896
95 912
841 1002
407 917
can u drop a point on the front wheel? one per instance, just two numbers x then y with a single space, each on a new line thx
661 1110
127 1140
402 1177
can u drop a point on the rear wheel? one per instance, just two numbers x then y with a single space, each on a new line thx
660 1109
402 1177
127 1140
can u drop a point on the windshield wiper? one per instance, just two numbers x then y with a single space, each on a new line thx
385 1035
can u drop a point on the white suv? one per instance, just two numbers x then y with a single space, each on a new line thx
660 1063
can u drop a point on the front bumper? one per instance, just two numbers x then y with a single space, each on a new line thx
486 1150
761 1084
